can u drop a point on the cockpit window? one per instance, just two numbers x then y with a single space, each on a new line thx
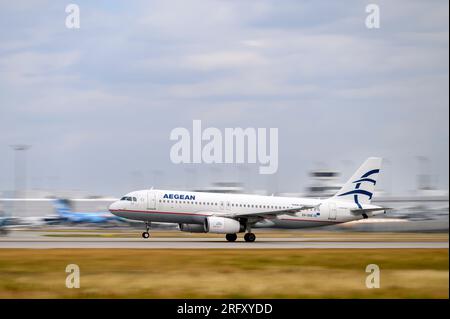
134 199
126 198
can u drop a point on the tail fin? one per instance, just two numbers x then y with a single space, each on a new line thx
360 187
62 207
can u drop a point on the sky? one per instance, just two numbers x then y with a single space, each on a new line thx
98 103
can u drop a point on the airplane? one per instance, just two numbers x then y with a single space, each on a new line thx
230 214
65 214
5 221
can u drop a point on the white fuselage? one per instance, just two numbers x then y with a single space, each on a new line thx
184 207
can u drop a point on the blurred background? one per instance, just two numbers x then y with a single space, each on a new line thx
86 114
424 209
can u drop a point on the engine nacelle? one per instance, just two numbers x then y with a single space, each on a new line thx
193 228
223 225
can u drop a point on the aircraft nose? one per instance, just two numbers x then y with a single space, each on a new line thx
113 206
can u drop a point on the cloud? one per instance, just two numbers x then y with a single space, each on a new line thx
34 68
135 71
224 60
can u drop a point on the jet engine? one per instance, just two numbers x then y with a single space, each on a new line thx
223 225
216 225
193 228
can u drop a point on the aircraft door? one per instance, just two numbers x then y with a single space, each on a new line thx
151 200
142 200
332 211
133 202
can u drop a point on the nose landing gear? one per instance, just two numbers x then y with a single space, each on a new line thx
146 234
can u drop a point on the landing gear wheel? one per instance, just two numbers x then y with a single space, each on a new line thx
231 237
146 234
249 237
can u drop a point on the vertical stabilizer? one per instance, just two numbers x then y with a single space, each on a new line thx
361 186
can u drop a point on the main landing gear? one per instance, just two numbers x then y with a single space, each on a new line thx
146 234
248 237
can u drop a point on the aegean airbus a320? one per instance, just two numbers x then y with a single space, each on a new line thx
231 214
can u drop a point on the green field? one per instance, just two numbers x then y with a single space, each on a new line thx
214 273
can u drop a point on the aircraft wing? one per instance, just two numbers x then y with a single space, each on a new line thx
269 214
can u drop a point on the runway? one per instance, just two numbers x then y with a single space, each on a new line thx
209 243
266 240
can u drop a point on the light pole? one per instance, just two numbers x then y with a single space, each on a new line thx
423 177
20 169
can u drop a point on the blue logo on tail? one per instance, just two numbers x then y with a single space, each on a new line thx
358 183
